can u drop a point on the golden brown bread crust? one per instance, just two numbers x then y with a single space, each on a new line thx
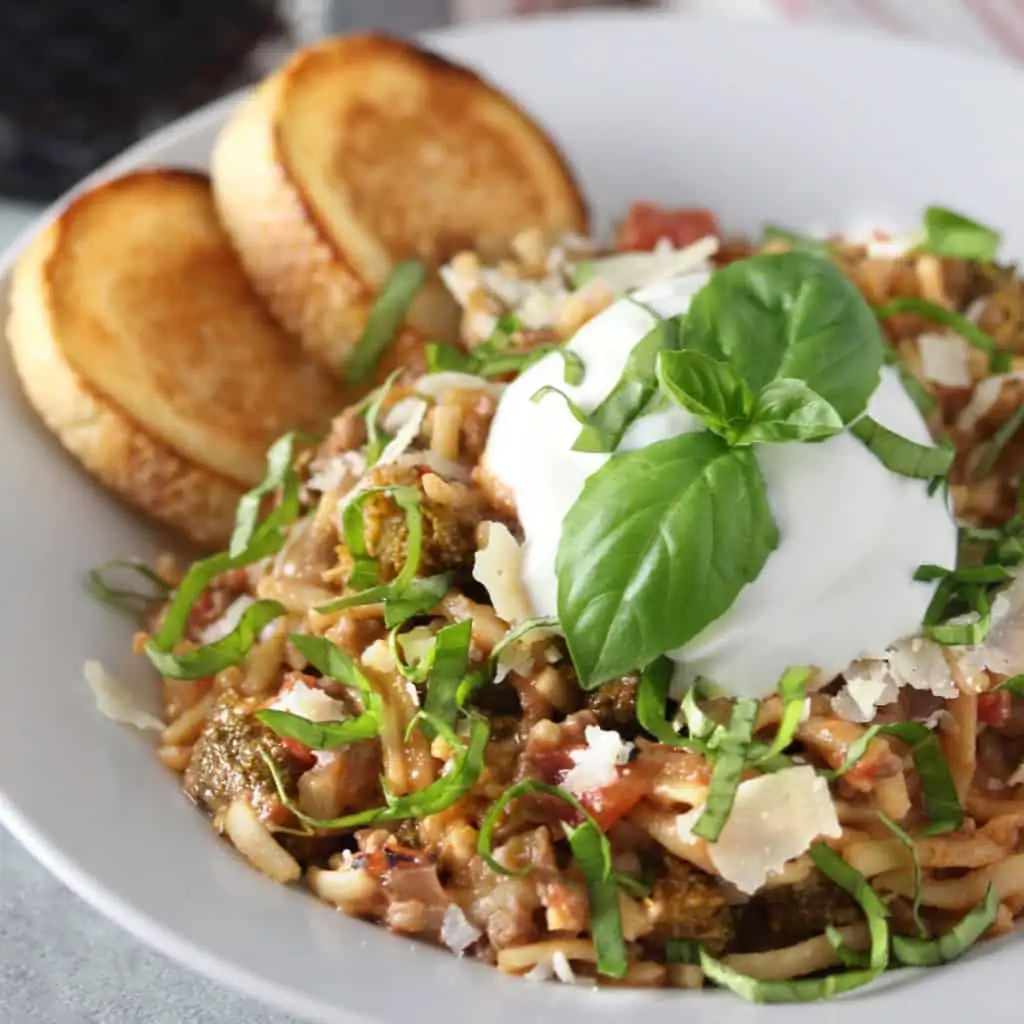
140 343
364 150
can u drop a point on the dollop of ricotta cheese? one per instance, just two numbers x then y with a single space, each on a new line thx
840 584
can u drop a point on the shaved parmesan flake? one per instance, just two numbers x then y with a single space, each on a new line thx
869 685
115 700
1017 777
458 933
540 971
945 359
1003 648
340 469
597 764
378 657
498 566
921 664
311 703
774 819
435 385
976 309
625 272
562 968
416 643
407 433
444 468
985 395
404 411
219 628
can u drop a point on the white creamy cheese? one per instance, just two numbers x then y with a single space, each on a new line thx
840 584
774 819
597 764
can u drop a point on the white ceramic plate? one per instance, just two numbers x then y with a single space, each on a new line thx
795 126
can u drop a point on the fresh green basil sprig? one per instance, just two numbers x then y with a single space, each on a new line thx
779 347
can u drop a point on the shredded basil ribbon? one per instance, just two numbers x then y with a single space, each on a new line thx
376 439
221 654
919 394
651 700
997 442
516 634
463 771
1013 685
962 591
942 805
604 428
449 660
386 316
123 597
901 455
404 596
593 854
332 663
441 357
732 746
793 691
908 841
970 332
279 475
932 952
802 990
951 234
249 543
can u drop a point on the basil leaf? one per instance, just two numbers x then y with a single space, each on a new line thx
788 410
279 474
731 746
970 633
796 241
659 544
418 598
997 442
376 439
948 947
919 394
354 537
442 357
632 393
803 990
969 331
464 769
549 389
793 691
651 699
593 854
592 851
122 597
331 661
951 234
711 390
1015 685
790 315
941 803
908 841
968 574
321 735
449 661
386 317
485 840
900 455
213 658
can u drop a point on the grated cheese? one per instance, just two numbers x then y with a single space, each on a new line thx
310 703
115 700
498 566
338 470
219 628
435 385
774 819
409 430
625 272
597 764
945 359
458 933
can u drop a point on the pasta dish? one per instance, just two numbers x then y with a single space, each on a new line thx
665 631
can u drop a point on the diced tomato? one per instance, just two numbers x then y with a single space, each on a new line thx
647 223
298 752
994 708
609 804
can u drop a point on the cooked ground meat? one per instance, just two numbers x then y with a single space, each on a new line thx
449 534
787 914
614 704
226 763
687 903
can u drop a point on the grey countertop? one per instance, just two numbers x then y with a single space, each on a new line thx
61 962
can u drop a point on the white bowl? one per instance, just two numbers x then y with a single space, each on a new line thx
796 126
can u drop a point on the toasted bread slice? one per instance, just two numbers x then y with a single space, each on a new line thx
141 343
365 150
